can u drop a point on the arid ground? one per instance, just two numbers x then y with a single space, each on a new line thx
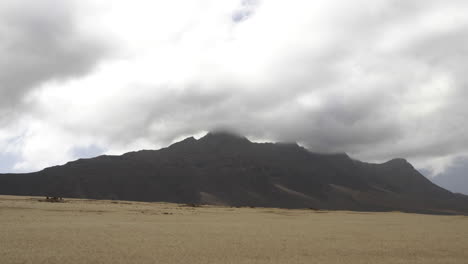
89 231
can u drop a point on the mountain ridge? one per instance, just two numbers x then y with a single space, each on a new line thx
226 168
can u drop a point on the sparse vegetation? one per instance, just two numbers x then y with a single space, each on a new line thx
192 205
54 199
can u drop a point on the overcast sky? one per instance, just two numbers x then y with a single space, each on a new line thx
377 79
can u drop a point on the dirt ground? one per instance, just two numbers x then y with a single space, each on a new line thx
89 231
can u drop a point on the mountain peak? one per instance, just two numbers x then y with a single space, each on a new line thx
398 162
224 137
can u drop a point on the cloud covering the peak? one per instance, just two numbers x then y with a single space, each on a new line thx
376 79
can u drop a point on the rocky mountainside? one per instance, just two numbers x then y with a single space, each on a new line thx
227 169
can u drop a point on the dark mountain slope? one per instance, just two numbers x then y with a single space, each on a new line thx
222 168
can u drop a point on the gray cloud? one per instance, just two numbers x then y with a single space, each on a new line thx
41 41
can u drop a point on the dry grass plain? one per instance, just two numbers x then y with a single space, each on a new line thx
89 231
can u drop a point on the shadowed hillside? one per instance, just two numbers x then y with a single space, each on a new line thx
227 169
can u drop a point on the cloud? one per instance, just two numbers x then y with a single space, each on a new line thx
455 176
41 41
245 11
377 79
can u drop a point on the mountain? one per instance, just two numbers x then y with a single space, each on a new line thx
228 169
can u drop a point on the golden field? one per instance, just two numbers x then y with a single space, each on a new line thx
90 231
